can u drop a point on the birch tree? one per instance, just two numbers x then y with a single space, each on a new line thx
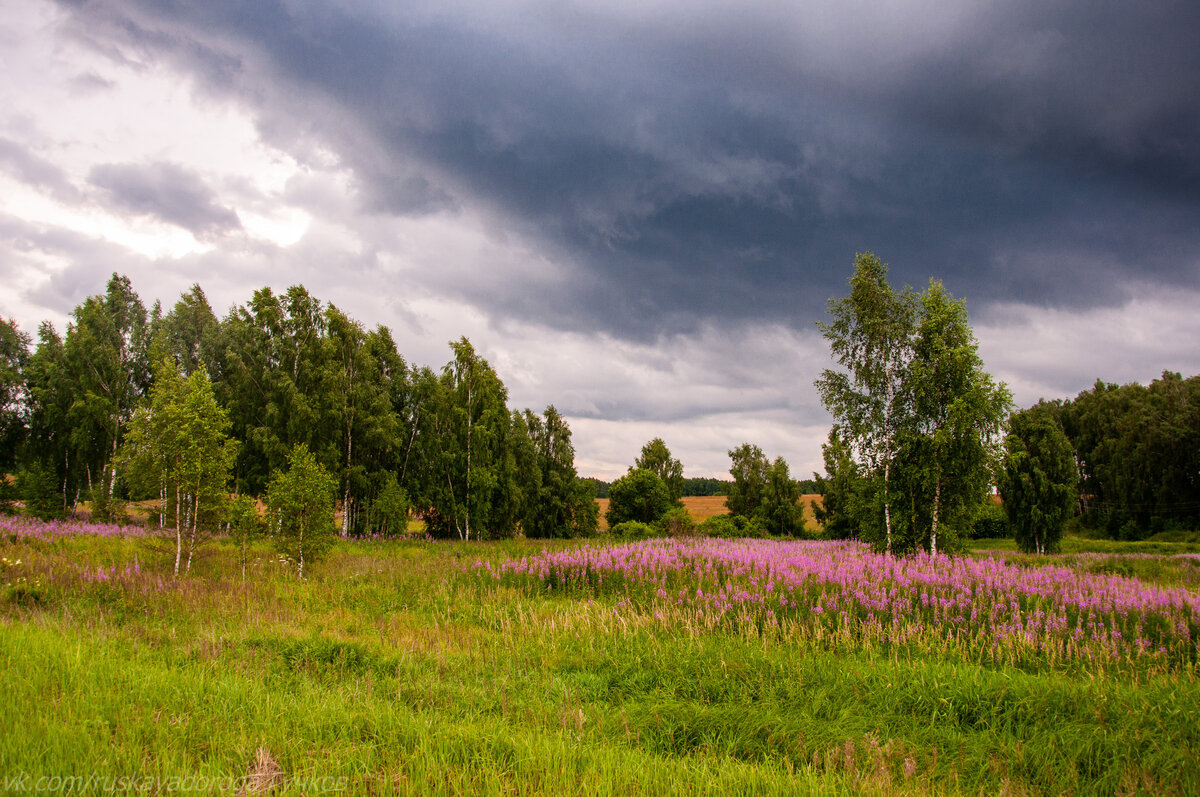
957 412
300 502
106 354
468 462
178 442
870 337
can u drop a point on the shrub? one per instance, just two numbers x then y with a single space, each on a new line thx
633 530
721 526
678 523
750 526
990 523
638 495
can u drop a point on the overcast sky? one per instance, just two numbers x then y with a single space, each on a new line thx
635 210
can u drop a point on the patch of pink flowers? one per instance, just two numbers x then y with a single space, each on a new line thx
20 527
826 589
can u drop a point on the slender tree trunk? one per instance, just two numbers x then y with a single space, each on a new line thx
112 481
937 506
887 502
193 513
887 453
178 528
412 436
470 426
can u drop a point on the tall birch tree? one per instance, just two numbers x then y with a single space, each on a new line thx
957 413
870 337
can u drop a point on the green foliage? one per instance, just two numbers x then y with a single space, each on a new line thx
765 492
677 523
749 472
191 333
391 509
780 512
557 503
300 502
956 415
1138 453
870 337
38 486
245 527
177 448
638 495
107 371
720 526
599 486
846 505
916 416
14 359
991 522
1037 480
656 457
469 469
633 530
702 486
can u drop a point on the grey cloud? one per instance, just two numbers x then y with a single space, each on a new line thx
36 171
729 166
167 192
90 82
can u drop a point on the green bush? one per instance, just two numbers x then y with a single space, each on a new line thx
719 526
677 523
638 495
750 526
990 523
633 530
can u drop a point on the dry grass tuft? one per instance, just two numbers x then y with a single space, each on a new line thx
265 774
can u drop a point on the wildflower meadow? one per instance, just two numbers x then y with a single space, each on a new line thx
664 666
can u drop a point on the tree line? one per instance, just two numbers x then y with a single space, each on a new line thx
1124 458
762 497
183 407
922 434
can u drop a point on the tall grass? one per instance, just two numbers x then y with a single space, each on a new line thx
396 668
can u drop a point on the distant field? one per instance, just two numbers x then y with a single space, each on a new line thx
701 507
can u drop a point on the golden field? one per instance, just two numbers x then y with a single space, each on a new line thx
701 507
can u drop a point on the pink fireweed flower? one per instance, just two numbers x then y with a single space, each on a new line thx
845 585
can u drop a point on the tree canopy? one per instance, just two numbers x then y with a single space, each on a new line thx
917 418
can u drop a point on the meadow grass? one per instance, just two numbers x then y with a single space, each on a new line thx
397 668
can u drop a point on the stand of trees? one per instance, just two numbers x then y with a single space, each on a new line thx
1137 454
763 494
184 408
917 419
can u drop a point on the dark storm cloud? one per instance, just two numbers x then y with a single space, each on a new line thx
729 164
167 192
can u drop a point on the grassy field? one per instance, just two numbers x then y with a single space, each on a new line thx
445 668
